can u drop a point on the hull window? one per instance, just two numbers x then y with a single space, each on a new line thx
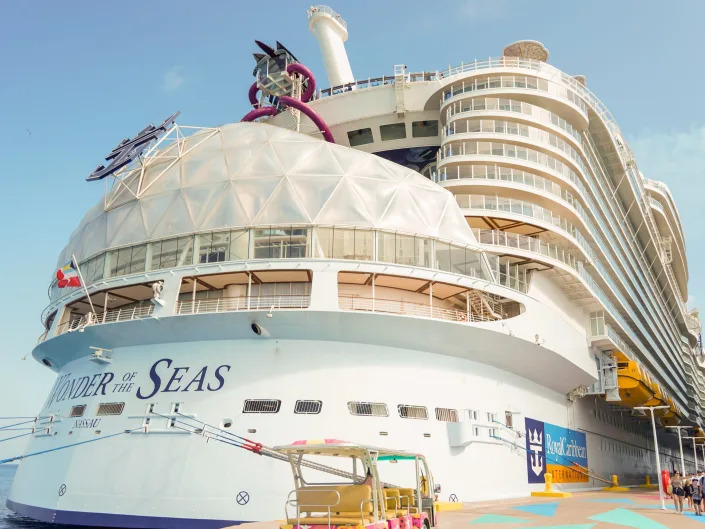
369 409
111 408
446 415
308 407
77 411
407 411
261 406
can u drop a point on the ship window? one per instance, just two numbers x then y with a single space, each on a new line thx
424 129
446 415
77 411
308 407
261 406
111 408
281 243
393 131
360 137
213 247
369 409
407 411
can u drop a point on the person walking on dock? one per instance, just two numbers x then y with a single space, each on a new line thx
697 495
678 491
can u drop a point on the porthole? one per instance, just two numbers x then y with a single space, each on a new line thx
226 423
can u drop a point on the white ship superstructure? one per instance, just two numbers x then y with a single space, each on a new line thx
475 269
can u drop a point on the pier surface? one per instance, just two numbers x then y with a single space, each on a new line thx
638 509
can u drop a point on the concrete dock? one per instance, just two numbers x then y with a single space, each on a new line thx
638 508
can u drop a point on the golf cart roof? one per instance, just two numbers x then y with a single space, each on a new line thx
338 448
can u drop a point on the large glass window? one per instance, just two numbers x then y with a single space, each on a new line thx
386 247
423 248
405 250
261 240
457 259
343 244
171 253
364 245
360 137
393 131
239 245
443 255
214 247
424 129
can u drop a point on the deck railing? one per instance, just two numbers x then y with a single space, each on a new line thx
408 308
230 304
108 316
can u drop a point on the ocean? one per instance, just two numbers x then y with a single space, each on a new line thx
9 519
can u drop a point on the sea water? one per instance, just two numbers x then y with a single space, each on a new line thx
9 519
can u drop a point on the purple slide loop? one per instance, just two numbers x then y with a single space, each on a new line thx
252 94
259 112
306 110
305 72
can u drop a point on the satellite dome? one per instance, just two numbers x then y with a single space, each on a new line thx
253 174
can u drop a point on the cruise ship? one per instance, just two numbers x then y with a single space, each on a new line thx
467 264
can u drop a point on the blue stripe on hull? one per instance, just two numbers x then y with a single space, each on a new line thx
97 519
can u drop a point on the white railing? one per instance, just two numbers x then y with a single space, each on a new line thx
202 306
523 242
327 10
109 316
480 311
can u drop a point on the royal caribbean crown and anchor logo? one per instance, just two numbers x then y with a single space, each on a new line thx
555 449
535 451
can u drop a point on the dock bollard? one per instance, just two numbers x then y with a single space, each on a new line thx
548 491
648 484
615 486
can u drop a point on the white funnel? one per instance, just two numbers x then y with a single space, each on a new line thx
331 31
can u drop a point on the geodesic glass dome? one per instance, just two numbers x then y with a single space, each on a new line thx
252 174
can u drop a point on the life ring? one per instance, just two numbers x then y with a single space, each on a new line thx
461 316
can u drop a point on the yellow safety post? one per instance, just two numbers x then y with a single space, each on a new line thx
615 486
549 492
448 505
648 484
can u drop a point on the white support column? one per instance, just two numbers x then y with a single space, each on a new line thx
658 456
680 445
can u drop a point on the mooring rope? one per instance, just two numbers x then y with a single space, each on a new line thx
579 469
34 419
15 437
26 456
258 448
15 418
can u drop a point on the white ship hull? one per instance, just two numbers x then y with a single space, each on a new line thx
170 478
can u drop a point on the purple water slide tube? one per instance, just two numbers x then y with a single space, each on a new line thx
252 94
305 72
305 109
260 112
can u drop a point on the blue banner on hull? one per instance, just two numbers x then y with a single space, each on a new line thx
555 449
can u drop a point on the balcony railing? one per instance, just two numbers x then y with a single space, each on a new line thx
109 316
202 306
482 311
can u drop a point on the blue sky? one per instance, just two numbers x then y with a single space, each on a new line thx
78 76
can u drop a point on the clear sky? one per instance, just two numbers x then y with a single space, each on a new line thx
78 76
